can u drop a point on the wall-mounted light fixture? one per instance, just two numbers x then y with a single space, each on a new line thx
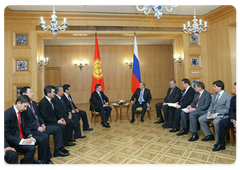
42 61
179 59
80 64
130 63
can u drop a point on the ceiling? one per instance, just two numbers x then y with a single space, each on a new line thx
117 9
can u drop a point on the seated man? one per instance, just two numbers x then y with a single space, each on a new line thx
15 132
61 109
36 125
143 97
10 154
197 108
218 110
174 116
51 117
97 99
225 124
67 99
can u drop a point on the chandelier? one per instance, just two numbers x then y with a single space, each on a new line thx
54 24
157 8
196 28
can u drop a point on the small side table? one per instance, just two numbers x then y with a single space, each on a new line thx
116 106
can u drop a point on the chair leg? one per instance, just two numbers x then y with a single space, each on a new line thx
232 135
91 117
149 115
94 119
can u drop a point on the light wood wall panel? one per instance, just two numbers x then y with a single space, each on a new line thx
155 64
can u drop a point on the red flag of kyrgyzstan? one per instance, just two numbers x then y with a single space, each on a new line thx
97 77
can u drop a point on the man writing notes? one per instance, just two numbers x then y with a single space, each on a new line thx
143 97
218 110
197 108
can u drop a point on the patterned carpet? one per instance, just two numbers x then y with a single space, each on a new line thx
141 143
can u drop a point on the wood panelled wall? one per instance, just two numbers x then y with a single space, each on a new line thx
156 67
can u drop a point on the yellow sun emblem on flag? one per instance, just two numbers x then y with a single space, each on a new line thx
97 69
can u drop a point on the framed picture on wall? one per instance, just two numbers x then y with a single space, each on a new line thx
18 91
194 61
194 81
21 39
22 65
193 39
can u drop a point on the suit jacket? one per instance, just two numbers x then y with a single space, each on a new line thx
67 103
11 127
222 105
146 95
60 108
31 121
232 110
203 102
47 112
96 100
174 97
187 98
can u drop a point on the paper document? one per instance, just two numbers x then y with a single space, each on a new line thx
33 143
209 116
172 104
186 110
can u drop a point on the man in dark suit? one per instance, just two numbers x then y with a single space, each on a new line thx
198 107
174 116
71 120
36 125
10 154
97 99
227 123
51 117
15 132
173 96
218 110
143 98
67 99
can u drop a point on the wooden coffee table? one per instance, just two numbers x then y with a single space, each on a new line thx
116 106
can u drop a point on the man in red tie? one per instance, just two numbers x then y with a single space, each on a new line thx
15 132
198 107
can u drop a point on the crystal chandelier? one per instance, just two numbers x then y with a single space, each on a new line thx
196 28
157 8
54 24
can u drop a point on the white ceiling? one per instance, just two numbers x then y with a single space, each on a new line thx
119 9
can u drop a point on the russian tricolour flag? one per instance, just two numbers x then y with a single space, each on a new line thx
136 76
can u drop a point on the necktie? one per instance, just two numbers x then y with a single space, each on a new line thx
19 124
140 100
217 98
70 100
170 93
197 101
35 116
183 96
101 98
51 104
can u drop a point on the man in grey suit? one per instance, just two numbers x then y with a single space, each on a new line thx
197 108
218 110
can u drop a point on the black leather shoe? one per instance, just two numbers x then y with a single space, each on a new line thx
69 144
38 162
183 132
60 153
215 145
72 140
133 120
49 162
64 150
193 138
159 121
219 147
142 119
88 129
167 126
208 138
174 130
106 122
106 125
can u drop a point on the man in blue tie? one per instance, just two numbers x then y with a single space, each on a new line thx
97 99
143 98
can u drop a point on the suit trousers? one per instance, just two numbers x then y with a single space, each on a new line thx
177 117
28 150
44 152
158 107
136 105
170 114
83 115
104 112
11 157
203 122
224 125
69 129
76 125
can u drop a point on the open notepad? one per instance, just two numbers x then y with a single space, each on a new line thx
209 116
